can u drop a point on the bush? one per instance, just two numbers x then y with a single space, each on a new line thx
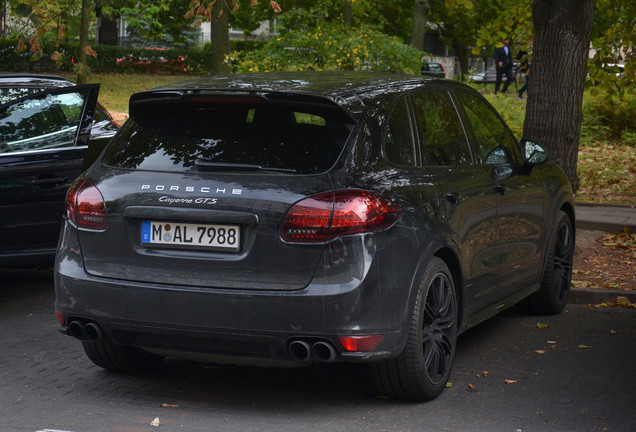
608 118
22 61
329 47
115 59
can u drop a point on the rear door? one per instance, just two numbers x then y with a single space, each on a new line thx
468 201
43 139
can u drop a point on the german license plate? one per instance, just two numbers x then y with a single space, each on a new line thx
212 236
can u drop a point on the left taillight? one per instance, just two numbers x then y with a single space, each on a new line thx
322 217
85 206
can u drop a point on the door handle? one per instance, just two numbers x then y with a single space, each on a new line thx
501 189
452 197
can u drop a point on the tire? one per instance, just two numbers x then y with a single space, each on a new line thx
557 274
421 371
118 358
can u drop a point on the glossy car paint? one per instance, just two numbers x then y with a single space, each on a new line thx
489 224
34 182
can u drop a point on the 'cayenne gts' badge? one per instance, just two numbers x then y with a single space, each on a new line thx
192 189
200 200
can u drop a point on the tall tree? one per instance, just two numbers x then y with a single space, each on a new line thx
420 14
562 32
220 37
83 41
216 12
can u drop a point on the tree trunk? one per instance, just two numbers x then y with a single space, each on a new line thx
220 38
83 42
420 14
462 55
562 31
347 14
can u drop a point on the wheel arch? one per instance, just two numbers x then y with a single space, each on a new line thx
451 260
568 209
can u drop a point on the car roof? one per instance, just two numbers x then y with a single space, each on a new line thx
314 82
347 89
33 80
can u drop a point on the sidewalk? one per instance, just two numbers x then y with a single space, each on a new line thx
605 218
610 219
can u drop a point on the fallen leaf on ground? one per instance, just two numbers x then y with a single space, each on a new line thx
155 422
509 381
540 351
621 301
541 325
581 346
450 385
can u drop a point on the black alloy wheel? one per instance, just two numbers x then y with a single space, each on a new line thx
421 371
557 275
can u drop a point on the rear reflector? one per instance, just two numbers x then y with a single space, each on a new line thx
60 318
323 217
360 343
85 206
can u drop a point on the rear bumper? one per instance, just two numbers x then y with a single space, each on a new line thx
239 326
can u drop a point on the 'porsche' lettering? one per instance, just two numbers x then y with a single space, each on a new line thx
192 189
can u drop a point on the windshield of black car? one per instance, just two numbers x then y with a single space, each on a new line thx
190 136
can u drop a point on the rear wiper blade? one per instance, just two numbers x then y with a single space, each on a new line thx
204 165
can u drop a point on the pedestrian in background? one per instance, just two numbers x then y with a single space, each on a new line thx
503 64
524 58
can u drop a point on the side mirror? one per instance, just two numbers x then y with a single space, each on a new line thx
533 153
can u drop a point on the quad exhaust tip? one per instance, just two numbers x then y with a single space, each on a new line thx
84 331
321 351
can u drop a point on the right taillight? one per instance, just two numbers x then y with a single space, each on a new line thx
325 216
85 206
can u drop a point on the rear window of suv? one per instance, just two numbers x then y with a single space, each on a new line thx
190 136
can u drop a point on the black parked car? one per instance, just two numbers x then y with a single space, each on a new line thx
282 219
47 125
433 69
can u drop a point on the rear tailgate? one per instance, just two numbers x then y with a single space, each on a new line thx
197 187
221 232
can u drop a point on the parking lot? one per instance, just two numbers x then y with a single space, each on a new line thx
576 374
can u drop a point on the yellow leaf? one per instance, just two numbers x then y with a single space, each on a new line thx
581 346
450 385
541 325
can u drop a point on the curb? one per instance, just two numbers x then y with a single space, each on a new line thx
598 295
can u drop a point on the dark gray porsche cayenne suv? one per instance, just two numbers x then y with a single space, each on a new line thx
285 219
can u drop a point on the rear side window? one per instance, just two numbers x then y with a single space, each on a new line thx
398 145
444 139
184 136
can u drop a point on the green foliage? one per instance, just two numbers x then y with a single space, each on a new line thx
13 60
159 21
332 46
513 19
609 118
131 60
614 41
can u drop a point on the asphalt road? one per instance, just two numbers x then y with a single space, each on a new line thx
577 374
